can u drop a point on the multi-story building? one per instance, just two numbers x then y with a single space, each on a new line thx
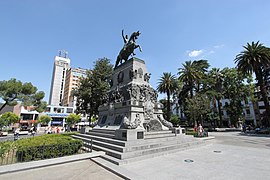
73 77
28 115
61 66
249 112
58 114
260 106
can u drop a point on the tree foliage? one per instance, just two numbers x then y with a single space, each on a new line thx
73 119
12 91
44 119
198 107
236 89
215 88
175 120
202 90
256 58
94 87
8 118
167 84
192 73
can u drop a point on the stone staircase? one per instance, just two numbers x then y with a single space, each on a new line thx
122 152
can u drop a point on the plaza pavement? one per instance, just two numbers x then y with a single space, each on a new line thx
230 156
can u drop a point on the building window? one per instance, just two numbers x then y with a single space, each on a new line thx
27 116
58 110
248 111
48 109
69 110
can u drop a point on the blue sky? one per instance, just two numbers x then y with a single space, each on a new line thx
32 32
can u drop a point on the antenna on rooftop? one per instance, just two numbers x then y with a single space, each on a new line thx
59 53
66 53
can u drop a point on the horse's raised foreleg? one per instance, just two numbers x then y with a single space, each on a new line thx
139 47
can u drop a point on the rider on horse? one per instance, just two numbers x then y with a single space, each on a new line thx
129 47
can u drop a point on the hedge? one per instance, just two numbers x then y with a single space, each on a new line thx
5 146
46 146
40 147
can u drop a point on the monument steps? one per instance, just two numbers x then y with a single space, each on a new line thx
158 132
151 155
129 151
103 139
154 136
107 131
101 134
124 146
156 150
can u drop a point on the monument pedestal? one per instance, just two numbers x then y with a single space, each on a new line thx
131 107
178 130
129 134
131 125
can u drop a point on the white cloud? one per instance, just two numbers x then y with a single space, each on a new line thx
219 46
195 53
211 52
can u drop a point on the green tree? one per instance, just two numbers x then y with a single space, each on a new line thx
215 81
8 118
94 87
192 73
164 109
198 108
44 119
236 89
167 84
12 91
256 58
72 119
193 76
175 120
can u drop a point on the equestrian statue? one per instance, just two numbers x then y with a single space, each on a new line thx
129 47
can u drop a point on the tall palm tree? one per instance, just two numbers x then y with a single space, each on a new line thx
192 73
201 67
256 58
167 84
188 75
216 85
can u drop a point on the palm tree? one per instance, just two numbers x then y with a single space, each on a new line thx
188 75
256 58
167 84
192 74
216 85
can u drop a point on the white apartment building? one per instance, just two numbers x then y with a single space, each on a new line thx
249 114
61 65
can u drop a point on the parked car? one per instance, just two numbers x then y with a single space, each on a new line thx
3 133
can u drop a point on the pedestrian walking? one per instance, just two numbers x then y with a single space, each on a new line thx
200 130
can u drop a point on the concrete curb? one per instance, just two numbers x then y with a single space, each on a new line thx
47 162
117 170
254 135
206 138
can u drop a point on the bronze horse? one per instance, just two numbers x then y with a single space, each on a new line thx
129 47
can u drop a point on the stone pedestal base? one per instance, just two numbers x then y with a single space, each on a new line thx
178 130
84 130
129 134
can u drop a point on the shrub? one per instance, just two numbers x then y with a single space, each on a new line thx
5 147
47 146
175 120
